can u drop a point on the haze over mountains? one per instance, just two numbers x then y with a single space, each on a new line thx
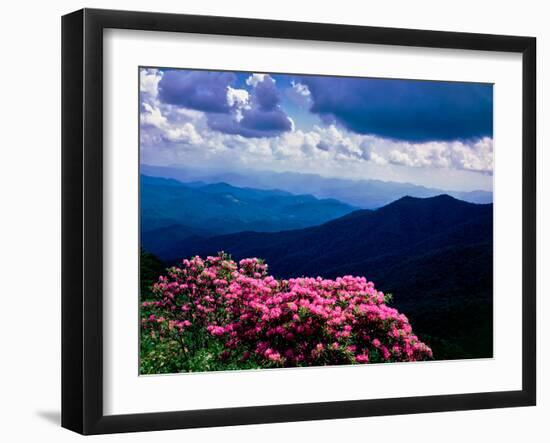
366 194
172 211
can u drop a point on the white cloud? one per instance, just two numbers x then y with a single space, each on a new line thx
178 114
166 123
149 80
239 100
300 89
183 134
377 159
237 97
473 156
152 116
295 145
400 158
254 79
331 145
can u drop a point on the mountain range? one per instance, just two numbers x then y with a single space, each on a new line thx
365 194
172 211
435 255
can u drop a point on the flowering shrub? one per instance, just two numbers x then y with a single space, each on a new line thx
217 314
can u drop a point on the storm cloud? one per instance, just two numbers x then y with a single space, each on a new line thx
407 110
199 90
229 110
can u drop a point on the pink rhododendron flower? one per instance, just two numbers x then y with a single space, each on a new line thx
296 322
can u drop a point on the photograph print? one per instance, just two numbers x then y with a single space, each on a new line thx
293 220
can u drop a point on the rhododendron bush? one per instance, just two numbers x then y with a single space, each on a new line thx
214 313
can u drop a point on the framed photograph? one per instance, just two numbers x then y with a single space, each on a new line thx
269 221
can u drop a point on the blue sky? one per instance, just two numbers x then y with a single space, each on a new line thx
436 134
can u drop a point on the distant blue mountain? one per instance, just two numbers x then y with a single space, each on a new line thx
367 194
172 211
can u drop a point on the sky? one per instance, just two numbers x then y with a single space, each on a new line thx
436 134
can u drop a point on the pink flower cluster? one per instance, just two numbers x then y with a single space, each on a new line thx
296 322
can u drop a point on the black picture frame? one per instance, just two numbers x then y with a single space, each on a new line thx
82 218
